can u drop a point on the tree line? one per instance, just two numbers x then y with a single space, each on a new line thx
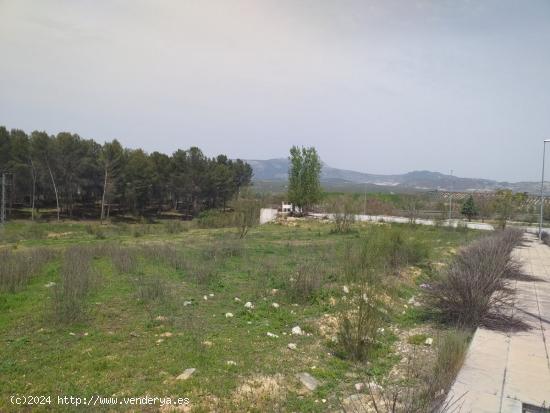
80 177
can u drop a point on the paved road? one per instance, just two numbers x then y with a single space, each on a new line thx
504 370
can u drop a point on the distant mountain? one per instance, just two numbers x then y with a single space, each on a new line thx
276 170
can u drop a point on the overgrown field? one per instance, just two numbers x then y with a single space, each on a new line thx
124 310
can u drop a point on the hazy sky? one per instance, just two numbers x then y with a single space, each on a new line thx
377 86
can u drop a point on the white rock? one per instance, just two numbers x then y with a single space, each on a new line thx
429 341
49 285
161 318
237 299
231 363
292 346
204 297
275 305
211 295
228 315
248 304
411 300
359 386
186 303
297 331
272 335
373 386
308 381
345 289
186 374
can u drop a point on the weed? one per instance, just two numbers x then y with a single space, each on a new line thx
77 280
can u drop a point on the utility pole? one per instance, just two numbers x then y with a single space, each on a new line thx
365 204
3 201
451 199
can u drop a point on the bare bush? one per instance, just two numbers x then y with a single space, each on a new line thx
306 282
152 289
246 214
166 254
423 384
17 268
360 323
124 258
344 216
77 280
475 288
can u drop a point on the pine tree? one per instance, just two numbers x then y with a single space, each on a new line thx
469 209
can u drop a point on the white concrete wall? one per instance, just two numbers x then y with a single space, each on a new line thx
267 215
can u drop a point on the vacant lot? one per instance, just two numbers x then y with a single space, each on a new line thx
124 310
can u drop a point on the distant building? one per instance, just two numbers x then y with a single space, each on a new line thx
288 208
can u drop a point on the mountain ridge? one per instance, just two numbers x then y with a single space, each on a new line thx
276 169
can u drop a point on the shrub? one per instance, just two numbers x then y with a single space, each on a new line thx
164 254
246 214
77 280
474 289
125 259
423 384
215 219
17 268
359 324
152 289
176 227
306 282
220 250
344 216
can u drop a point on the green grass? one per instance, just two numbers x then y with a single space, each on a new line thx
114 348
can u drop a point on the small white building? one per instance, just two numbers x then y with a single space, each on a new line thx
288 208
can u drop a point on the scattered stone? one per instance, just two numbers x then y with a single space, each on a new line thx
323 400
186 374
207 343
248 305
211 295
160 318
205 298
297 331
292 346
275 305
249 322
358 403
134 334
166 334
345 289
308 381
237 299
160 340
228 315
49 285
373 386
274 291
359 386
85 334
231 363
380 330
429 341
272 335
72 334
186 303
